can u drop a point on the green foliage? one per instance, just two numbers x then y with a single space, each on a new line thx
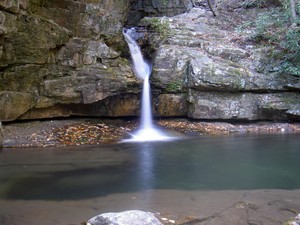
261 3
291 44
292 40
240 28
165 2
270 26
253 3
160 26
275 28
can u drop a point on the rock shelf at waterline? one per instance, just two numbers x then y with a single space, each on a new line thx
105 131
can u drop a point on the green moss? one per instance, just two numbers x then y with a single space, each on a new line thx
173 87
165 2
160 26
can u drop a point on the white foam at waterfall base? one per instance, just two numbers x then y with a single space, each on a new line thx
147 131
149 134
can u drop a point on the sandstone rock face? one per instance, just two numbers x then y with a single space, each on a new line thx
220 79
172 105
56 53
141 8
243 105
15 104
64 57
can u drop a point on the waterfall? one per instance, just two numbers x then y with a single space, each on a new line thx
147 131
146 115
141 68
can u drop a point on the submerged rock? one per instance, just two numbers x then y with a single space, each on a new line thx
130 217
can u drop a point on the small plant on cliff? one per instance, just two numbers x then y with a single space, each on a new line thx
164 2
291 44
270 27
173 87
260 3
161 26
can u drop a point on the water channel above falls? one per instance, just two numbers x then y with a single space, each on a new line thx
206 163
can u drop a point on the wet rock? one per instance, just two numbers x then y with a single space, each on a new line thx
131 217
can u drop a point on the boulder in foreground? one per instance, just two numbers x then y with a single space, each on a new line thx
130 217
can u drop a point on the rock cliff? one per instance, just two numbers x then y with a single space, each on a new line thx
206 65
67 57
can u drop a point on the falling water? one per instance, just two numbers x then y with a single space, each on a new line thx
146 117
147 131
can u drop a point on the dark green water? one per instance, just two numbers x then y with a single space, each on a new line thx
207 163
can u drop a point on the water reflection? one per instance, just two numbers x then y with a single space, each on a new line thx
210 163
146 173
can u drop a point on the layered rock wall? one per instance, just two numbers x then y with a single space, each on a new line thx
215 77
64 57
56 53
